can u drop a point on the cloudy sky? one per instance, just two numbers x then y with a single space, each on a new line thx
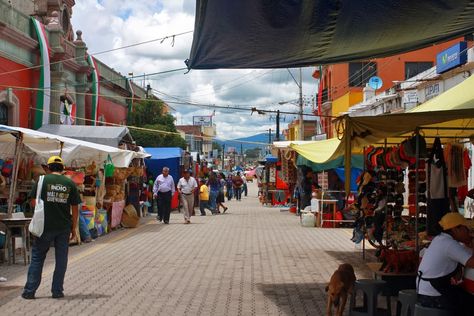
113 24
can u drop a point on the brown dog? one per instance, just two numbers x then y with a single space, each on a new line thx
339 287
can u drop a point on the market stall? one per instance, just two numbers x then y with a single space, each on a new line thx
24 153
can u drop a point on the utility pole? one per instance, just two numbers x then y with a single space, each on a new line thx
242 153
223 156
277 138
301 107
269 139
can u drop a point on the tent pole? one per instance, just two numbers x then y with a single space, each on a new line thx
363 239
16 164
417 207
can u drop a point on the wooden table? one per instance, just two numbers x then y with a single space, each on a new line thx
9 248
333 204
395 281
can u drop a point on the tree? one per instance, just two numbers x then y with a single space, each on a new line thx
253 153
149 114
216 145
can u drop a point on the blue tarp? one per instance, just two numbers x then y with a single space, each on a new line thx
355 173
270 158
164 157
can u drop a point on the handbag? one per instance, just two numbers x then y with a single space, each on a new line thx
109 167
36 226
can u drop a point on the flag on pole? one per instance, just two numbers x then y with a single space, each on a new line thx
95 89
133 94
44 92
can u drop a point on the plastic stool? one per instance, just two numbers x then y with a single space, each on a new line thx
407 300
428 311
371 290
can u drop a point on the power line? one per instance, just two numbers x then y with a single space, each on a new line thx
104 52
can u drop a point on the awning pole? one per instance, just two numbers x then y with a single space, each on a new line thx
16 165
417 207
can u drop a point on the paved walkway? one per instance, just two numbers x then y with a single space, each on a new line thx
253 260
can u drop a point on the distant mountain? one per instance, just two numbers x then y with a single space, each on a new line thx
250 142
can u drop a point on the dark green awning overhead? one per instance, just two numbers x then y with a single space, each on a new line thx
297 33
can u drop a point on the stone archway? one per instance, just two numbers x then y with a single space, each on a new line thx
11 105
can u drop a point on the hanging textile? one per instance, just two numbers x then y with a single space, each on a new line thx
43 97
95 89
454 157
438 203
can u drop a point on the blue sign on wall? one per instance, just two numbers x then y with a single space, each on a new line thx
452 57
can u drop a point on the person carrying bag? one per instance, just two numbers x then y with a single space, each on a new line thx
60 199
36 226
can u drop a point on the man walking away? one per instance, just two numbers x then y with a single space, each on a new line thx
60 197
186 187
163 191
237 184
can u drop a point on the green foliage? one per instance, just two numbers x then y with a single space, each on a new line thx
216 145
253 153
149 114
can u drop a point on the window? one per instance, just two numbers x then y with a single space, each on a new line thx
3 114
414 68
360 73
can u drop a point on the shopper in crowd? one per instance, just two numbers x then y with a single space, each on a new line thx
440 270
221 194
186 187
61 199
229 187
244 185
163 191
214 186
204 198
237 184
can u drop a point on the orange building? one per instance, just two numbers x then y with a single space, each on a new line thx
342 84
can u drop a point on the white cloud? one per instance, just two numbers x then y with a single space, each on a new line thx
108 24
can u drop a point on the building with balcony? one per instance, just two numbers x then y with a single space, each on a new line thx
46 75
416 90
293 130
342 85
198 138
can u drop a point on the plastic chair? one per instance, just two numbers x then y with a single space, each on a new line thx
428 311
407 301
371 290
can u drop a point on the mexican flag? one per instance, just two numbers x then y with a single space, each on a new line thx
44 89
95 89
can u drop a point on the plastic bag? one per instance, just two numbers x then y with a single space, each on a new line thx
36 226
109 167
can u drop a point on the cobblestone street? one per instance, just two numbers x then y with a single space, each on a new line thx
253 260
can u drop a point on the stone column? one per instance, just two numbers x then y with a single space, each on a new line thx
81 79
57 73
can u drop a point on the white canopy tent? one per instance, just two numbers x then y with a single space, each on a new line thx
15 140
71 150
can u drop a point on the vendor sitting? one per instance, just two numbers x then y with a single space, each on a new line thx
440 270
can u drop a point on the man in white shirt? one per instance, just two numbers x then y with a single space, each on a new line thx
441 267
163 191
186 188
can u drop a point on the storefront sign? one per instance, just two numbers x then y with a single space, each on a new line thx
452 57
202 120
433 90
410 97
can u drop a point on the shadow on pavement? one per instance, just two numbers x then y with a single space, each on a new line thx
90 296
296 298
